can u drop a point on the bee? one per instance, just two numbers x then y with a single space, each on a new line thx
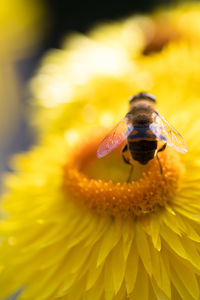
143 128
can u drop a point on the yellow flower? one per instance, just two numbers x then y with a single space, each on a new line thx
20 26
21 29
72 228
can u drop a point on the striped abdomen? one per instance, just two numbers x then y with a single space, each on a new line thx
142 150
142 145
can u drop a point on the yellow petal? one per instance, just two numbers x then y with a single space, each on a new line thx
141 289
109 241
186 276
160 273
118 266
143 249
173 241
131 269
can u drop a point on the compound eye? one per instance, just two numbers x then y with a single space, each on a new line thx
143 95
132 99
150 96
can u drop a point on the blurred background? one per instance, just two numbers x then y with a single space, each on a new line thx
28 29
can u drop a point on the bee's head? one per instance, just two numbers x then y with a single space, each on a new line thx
143 96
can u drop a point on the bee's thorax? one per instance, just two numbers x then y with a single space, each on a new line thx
141 114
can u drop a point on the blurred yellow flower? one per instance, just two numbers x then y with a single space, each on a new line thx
20 25
21 28
72 228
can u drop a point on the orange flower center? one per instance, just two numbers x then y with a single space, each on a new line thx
101 185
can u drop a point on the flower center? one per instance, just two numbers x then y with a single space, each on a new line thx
101 185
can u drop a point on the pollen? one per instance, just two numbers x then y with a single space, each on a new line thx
148 193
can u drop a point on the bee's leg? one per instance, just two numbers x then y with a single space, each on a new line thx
125 158
161 170
130 174
127 161
160 150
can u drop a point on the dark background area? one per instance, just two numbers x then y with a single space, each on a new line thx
68 16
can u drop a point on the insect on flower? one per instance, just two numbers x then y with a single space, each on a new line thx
147 133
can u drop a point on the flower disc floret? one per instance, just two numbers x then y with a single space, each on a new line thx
149 193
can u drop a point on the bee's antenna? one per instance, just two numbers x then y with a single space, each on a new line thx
161 170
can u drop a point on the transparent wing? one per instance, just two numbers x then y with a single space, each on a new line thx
167 133
115 137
